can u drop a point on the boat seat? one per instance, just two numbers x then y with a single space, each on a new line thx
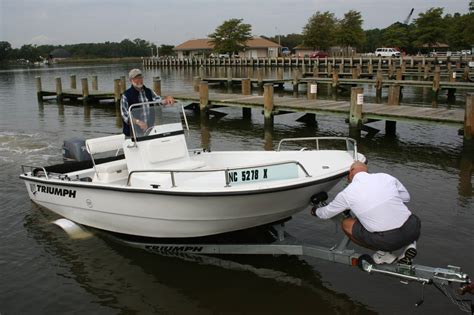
183 165
110 171
111 167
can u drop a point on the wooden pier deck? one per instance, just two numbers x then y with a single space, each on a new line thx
370 111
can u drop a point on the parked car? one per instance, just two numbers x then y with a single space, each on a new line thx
465 52
318 54
387 52
285 51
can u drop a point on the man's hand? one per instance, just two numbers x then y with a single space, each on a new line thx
168 100
143 126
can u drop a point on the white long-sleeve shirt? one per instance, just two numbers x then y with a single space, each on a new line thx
377 200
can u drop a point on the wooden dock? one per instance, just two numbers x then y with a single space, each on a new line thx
411 62
356 111
86 93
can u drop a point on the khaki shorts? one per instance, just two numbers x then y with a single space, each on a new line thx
389 240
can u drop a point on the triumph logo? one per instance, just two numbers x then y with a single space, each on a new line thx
173 249
63 192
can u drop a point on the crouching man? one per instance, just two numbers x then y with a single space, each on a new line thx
383 223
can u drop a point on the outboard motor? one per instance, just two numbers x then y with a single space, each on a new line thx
74 150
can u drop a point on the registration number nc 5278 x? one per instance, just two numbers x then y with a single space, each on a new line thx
261 174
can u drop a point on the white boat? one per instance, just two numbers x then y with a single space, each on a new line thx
159 188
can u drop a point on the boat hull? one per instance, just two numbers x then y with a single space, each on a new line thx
161 214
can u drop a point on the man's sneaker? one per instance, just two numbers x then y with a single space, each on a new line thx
381 257
408 254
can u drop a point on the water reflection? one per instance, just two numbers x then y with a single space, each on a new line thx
130 280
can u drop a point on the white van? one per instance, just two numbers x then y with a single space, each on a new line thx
387 52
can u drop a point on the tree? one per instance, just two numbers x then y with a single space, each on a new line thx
460 30
166 50
349 31
430 28
5 50
231 36
373 39
318 33
396 35
289 40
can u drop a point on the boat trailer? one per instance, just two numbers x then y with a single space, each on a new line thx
284 244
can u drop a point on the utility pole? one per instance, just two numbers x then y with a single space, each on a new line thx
471 7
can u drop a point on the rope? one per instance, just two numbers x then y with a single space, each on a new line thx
464 305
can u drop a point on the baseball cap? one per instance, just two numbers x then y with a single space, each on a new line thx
134 73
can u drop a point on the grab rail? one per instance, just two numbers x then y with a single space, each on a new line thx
32 167
225 170
348 141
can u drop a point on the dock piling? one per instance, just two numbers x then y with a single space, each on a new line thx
95 83
73 82
123 84
85 90
355 115
469 119
38 88
59 89
203 95
268 104
117 91
246 89
393 99
157 85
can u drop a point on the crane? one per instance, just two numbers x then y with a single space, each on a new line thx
407 20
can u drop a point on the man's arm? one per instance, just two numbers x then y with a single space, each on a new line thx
124 108
338 205
402 191
156 97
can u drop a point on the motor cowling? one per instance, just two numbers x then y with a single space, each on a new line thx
75 150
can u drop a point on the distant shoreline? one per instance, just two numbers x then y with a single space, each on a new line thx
95 60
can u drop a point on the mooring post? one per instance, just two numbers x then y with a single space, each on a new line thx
196 82
329 69
335 79
123 84
469 119
229 76
465 76
117 91
246 89
268 104
260 77
436 81
203 95
370 68
393 99
202 72
73 83
315 71
39 89
296 79
426 71
399 74
85 90
280 74
157 85
59 89
357 100
95 83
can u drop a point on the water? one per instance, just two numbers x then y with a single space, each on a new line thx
43 271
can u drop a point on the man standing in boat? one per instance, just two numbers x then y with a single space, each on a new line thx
138 93
383 222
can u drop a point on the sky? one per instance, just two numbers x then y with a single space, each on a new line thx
173 22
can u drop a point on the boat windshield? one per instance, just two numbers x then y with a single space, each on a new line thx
152 120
